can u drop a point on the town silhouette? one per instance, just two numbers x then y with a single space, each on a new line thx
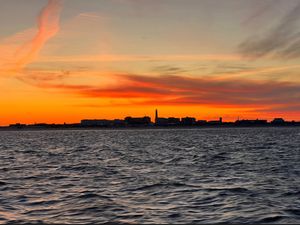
129 122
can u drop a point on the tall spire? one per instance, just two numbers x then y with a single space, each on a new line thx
156 115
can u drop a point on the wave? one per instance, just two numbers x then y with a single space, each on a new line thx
270 219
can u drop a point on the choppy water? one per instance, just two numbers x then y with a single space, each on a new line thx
151 176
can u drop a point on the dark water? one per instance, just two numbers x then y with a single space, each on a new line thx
151 176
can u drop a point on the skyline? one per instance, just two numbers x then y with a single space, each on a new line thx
159 120
64 60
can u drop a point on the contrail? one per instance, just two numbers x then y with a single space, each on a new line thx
48 26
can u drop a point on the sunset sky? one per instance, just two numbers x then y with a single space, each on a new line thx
67 60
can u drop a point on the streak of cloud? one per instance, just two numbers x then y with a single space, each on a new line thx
282 41
262 7
91 15
48 26
284 108
128 58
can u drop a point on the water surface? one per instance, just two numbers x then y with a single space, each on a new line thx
206 175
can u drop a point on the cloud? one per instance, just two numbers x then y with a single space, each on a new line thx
282 41
17 54
282 109
258 71
90 15
261 8
166 69
48 26
182 90
10 45
33 77
128 58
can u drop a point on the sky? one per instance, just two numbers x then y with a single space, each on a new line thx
67 60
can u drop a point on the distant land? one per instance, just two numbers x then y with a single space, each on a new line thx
159 122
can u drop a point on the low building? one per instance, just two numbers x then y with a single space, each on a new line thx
188 121
146 120
160 121
17 125
201 122
95 122
256 122
216 122
119 123
278 121
171 121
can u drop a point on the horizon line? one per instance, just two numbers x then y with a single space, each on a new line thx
154 122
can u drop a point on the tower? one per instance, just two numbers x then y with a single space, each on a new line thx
156 115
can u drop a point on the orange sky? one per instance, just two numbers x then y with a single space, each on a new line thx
63 61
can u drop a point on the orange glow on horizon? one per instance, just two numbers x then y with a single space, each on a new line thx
49 75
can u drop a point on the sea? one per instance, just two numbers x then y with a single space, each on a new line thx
205 175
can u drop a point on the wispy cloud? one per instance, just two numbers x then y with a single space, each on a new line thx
91 15
284 108
282 41
33 77
260 9
115 58
166 69
259 71
47 27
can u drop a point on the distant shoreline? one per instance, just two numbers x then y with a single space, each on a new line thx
158 123
58 127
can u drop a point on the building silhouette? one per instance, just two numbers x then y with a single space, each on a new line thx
158 121
170 121
216 122
256 122
188 121
96 122
156 116
278 121
136 121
